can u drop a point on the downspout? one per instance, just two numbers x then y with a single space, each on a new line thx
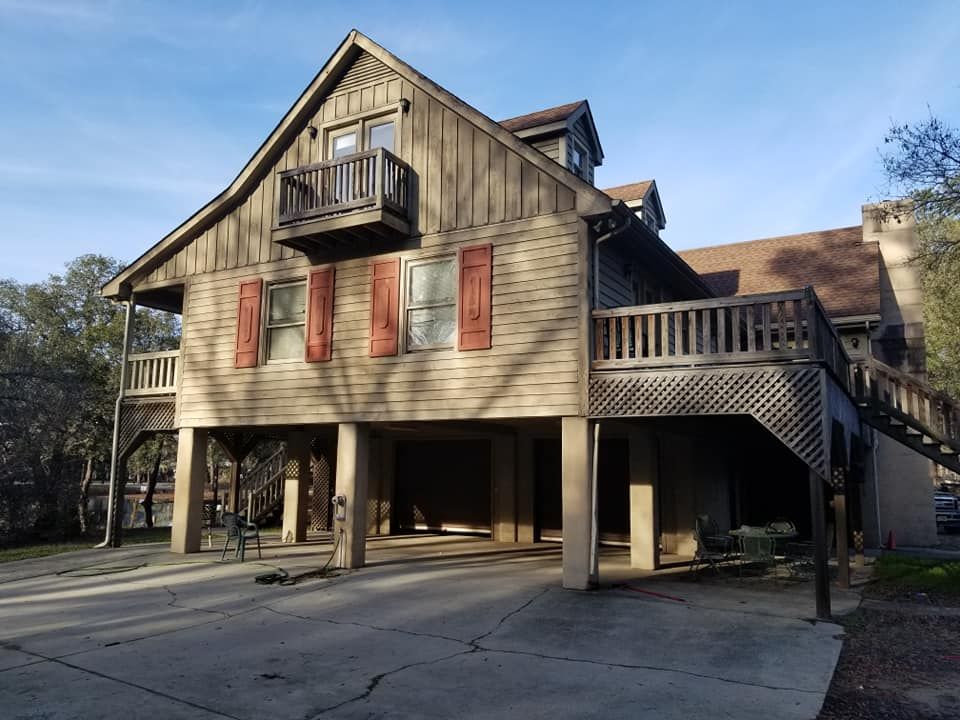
112 499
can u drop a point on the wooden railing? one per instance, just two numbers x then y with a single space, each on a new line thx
366 180
262 489
774 327
908 400
152 373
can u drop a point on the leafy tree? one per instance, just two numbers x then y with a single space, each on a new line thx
60 347
922 161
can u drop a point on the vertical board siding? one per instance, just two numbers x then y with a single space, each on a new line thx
462 178
531 369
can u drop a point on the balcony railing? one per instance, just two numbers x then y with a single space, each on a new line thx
775 327
372 179
152 373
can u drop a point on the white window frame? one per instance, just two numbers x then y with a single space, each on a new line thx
406 307
268 326
579 149
360 126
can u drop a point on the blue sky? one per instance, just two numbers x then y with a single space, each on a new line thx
120 119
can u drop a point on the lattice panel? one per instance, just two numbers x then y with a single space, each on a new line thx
322 492
785 401
144 416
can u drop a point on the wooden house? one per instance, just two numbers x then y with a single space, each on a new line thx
447 322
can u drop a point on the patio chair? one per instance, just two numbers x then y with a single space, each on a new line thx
782 526
712 546
240 530
799 558
758 550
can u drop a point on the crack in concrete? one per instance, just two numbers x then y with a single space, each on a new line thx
144 688
173 603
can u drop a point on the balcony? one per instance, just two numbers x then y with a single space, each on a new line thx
152 374
784 327
357 199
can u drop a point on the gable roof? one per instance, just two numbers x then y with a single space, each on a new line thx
560 113
590 200
631 191
844 270
634 195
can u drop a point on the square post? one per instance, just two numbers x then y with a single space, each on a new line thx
821 570
526 491
296 487
644 520
843 550
579 540
188 490
504 481
353 441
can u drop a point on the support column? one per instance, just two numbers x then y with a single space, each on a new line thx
579 544
821 571
296 487
353 441
644 523
504 470
233 499
188 490
526 490
843 550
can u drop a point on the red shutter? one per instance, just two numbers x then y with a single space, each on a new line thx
476 276
384 307
320 315
248 324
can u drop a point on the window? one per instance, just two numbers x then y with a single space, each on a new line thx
380 135
343 144
578 160
286 312
431 311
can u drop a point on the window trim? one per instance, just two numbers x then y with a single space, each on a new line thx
406 265
360 125
267 326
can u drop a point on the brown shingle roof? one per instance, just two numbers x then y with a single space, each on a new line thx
631 191
844 271
541 117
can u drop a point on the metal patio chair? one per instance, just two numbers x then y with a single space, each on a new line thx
240 530
758 550
713 547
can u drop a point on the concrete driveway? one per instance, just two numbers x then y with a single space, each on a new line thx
435 627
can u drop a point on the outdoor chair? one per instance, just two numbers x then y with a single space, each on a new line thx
799 558
758 550
713 547
782 526
240 530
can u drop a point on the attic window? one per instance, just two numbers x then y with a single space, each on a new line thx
576 160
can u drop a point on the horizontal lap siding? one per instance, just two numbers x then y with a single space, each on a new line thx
531 370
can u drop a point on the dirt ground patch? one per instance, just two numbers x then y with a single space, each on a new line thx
897 665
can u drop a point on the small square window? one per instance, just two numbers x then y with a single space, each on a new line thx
286 315
431 312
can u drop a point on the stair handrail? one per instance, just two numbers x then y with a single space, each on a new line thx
261 475
907 398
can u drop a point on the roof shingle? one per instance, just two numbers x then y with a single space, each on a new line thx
631 191
844 270
541 117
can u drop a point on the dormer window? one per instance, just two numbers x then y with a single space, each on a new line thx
578 159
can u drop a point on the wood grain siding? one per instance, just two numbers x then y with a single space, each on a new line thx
549 147
462 178
532 369
616 288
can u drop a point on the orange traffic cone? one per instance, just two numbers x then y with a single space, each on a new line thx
891 541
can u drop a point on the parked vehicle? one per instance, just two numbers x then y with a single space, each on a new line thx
948 511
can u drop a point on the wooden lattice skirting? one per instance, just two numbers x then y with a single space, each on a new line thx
787 401
144 417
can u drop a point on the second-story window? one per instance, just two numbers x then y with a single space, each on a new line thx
286 313
431 303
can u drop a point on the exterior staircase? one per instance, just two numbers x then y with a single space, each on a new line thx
261 489
909 410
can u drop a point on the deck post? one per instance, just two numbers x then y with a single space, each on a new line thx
526 502
503 469
296 486
185 535
644 525
818 525
843 550
579 558
353 441
233 500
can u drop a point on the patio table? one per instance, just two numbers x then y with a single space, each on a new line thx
749 549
